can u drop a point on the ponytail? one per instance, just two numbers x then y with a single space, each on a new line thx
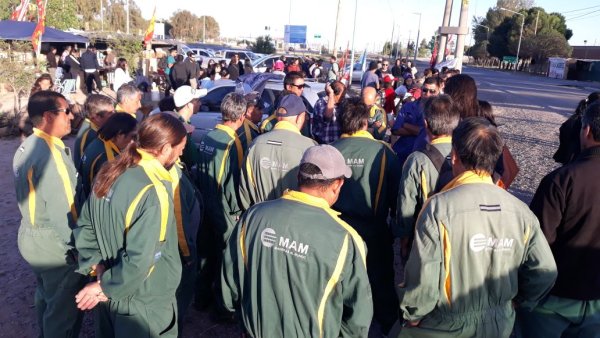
112 170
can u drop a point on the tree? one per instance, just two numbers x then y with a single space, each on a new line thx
410 48
263 45
62 15
548 43
424 49
391 49
187 26
130 49
6 8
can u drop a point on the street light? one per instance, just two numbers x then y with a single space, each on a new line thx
520 35
486 27
352 54
417 41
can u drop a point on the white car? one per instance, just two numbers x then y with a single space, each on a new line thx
243 54
357 72
260 65
210 110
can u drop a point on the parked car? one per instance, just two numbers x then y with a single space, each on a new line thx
244 54
260 65
198 51
210 110
357 72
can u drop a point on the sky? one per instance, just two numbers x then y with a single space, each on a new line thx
375 21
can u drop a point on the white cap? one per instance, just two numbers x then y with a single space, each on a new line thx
185 94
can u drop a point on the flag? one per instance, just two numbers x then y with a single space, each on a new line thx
21 11
150 31
36 37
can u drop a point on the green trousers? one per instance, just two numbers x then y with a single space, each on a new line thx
57 282
560 317
186 289
129 318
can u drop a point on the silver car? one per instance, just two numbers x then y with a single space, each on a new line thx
210 110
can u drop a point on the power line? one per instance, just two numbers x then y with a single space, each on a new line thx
582 15
588 17
581 9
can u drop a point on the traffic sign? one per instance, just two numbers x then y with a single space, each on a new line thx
317 36
509 59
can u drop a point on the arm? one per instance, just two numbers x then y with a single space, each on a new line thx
230 277
394 169
409 199
420 291
86 241
537 273
548 205
358 302
247 183
328 112
132 264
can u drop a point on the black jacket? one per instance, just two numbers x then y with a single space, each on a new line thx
567 204
89 60
51 58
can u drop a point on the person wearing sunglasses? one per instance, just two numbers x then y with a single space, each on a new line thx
45 180
254 110
97 109
293 83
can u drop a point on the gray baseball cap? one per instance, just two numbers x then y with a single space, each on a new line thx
329 160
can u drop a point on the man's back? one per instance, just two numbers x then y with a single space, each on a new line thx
300 273
271 165
477 248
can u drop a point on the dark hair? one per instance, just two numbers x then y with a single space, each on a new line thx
427 73
591 118
354 115
41 102
434 71
478 144
440 115
585 103
36 85
121 63
291 77
338 88
96 104
179 58
167 104
373 65
486 110
333 57
432 81
224 72
463 90
117 124
154 133
311 169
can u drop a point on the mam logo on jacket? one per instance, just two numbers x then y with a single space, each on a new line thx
267 163
269 239
481 242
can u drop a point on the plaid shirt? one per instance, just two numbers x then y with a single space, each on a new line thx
325 130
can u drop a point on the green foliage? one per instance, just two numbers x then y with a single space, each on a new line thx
188 27
424 49
61 14
391 49
263 45
130 49
16 70
6 8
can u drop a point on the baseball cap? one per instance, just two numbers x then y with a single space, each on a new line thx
253 98
291 105
279 65
188 127
185 94
329 160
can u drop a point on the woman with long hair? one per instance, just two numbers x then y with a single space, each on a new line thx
570 145
44 82
113 137
127 236
121 74
463 90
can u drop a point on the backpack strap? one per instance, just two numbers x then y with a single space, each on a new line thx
440 162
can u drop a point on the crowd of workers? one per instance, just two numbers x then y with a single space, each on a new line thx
287 225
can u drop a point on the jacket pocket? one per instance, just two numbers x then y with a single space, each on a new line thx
42 249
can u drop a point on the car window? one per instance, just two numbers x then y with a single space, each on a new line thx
212 101
228 55
358 66
203 53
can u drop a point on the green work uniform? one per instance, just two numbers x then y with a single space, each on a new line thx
377 114
45 179
365 201
92 160
190 155
293 268
272 163
132 231
247 133
86 134
419 179
477 249
218 175
187 204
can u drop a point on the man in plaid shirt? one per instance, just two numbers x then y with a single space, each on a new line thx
326 127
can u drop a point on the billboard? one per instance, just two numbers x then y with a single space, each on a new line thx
295 34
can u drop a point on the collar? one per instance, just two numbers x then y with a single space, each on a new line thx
592 151
304 198
48 138
151 165
285 125
120 109
443 139
228 130
360 133
92 124
110 148
468 177
251 124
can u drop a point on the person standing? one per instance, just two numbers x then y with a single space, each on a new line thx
45 180
370 79
293 83
478 251
52 64
292 267
121 74
192 70
334 70
218 177
367 199
127 237
90 66
98 108
250 130
566 203
325 123
377 117
233 68
129 100
271 164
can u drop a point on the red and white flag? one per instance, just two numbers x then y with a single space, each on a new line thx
36 37
21 11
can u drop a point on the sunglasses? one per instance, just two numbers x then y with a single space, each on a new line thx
67 111
302 86
386 64
427 90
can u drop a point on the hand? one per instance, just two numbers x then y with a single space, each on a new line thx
328 90
99 269
377 124
90 296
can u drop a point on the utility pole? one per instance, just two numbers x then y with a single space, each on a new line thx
352 55
337 25
392 40
418 35
127 15
460 39
204 30
102 15
444 37
520 35
536 22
